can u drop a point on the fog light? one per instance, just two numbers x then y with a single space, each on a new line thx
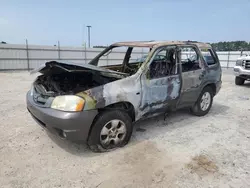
62 134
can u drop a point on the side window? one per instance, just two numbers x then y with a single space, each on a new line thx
190 60
208 56
163 63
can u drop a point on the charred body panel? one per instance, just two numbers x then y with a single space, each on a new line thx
68 79
159 95
56 67
161 92
148 96
124 90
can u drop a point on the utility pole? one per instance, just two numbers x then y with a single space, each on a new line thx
88 26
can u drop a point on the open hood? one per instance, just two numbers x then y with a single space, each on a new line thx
53 67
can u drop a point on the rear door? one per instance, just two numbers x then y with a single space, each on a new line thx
193 73
212 63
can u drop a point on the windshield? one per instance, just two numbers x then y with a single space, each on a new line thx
123 59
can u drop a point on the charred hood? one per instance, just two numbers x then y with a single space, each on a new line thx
56 67
69 78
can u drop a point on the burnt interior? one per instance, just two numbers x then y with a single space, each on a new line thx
128 65
130 68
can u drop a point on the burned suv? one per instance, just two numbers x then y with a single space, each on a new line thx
99 104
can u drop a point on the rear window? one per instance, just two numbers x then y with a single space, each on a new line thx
208 56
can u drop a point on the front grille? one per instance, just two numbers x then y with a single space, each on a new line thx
38 97
247 64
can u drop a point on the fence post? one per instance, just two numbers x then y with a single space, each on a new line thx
228 58
85 52
27 52
107 59
59 55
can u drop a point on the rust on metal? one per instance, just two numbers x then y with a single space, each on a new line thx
154 44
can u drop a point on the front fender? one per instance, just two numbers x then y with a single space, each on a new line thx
93 98
127 89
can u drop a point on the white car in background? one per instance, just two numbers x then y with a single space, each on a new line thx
242 70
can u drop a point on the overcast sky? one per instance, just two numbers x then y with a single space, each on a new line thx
47 21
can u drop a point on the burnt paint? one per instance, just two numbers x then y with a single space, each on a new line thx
159 94
93 98
155 96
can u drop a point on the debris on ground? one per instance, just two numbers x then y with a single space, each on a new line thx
202 165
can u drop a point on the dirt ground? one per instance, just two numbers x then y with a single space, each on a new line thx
183 151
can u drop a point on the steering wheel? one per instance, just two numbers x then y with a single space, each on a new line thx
126 66
190 60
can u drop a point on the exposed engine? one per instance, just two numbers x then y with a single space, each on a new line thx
69 83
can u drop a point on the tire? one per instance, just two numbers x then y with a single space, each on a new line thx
105 122
239 80
197 109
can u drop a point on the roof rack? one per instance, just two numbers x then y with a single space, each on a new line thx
193 41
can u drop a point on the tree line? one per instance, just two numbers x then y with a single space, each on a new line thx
222 46
231 46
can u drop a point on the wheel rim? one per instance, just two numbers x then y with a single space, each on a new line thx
113 133
205 101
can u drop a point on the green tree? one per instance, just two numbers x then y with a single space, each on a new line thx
231 46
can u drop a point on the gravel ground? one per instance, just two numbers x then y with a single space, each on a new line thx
183 151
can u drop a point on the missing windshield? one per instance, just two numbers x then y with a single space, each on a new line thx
123 59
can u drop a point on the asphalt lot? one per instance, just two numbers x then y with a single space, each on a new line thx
183 151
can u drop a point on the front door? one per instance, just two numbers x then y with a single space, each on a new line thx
193 73
161 82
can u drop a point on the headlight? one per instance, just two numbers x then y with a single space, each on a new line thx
70 103
239 63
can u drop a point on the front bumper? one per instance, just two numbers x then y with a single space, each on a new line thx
73 126
240 71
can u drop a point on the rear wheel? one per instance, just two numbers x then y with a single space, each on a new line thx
204 102
111 130
239 80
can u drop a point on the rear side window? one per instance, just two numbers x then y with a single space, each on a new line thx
190 60
208 56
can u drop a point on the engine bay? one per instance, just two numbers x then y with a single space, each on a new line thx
69 83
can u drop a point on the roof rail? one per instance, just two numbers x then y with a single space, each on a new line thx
193 41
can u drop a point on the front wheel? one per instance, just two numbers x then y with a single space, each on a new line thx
204 102
239 80
112 129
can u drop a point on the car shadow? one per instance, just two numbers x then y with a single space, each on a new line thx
173 121
75 148
146 125
247 84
